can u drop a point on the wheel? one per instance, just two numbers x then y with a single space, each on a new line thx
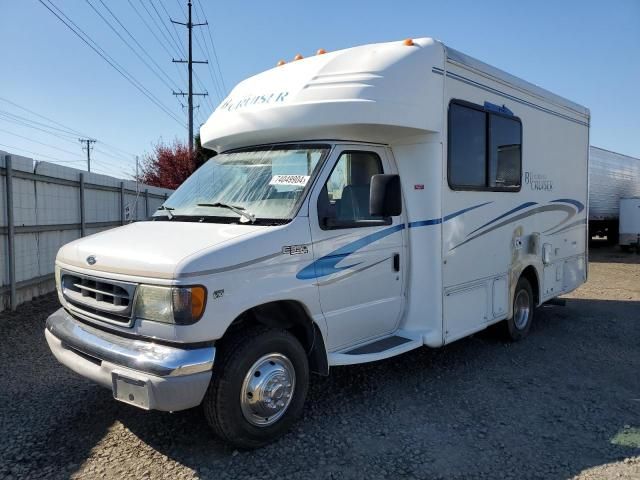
517 327
258 388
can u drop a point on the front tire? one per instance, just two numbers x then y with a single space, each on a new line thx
517 327
258 388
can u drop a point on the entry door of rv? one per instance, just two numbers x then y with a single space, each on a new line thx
359 260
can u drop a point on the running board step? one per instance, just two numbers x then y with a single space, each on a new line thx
401 342
379 345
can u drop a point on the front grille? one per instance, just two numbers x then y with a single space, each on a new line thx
98 298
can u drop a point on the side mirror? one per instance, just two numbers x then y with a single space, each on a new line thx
385 197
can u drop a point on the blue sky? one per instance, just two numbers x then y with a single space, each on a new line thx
587 51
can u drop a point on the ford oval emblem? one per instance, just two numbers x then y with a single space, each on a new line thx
91 260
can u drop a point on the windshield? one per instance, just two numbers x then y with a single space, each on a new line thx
267 183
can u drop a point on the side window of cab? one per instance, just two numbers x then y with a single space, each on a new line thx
344 199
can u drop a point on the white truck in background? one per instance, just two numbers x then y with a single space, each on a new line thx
630 224
366 202
612 176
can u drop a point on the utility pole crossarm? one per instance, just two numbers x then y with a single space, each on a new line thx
187 61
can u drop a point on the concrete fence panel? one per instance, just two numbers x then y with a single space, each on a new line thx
49 205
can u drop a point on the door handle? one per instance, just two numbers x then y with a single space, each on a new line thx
396 262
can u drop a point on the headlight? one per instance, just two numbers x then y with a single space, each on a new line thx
178 305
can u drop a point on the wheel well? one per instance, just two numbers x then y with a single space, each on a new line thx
292 316
531 274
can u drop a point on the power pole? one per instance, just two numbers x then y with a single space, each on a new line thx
88 141
190 63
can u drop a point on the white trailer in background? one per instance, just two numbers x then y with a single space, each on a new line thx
365 202
612 176
630 223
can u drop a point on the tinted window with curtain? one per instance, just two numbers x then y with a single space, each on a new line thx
467 147
505 141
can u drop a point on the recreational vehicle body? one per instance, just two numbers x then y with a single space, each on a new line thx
365 202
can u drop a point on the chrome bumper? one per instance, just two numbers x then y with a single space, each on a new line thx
143 356
139 372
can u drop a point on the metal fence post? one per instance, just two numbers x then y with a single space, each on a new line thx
121 203
11 234
146 204
82 206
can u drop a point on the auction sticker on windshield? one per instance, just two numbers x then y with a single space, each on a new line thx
289 180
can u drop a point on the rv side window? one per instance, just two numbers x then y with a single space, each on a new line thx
344 200
467 147
504 151
485 149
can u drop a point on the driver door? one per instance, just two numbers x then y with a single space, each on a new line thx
359 259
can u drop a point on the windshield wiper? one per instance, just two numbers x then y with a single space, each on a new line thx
236 209
168 209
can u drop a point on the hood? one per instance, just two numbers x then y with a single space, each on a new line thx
150 249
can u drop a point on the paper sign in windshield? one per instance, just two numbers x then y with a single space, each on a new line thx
290 180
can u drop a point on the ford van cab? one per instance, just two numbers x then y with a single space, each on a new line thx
364 203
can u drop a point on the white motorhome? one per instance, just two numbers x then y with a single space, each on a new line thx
366 202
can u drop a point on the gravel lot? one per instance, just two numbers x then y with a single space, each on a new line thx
563 403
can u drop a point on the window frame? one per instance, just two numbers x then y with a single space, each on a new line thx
488 113
357 223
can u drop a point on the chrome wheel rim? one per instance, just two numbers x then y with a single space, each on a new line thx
521 309
267 389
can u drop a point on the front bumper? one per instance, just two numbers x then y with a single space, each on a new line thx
145 374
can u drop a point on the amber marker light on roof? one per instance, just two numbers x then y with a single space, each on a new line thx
408 42
280 63
321 51
298 57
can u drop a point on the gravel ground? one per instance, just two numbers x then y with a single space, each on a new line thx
564 403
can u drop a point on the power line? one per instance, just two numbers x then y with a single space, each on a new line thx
115 157
41 143
72 133
24 124
153 32
215 53
20 118
39 154
136 41
107 58
170 87
219 91
180 48
159 27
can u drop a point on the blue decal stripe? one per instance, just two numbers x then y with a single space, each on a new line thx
464 210
327 265
513 210
575 203
423 223
436 221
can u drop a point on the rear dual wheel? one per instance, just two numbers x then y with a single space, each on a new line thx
517 327
259 385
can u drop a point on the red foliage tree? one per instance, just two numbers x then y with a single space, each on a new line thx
168 165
